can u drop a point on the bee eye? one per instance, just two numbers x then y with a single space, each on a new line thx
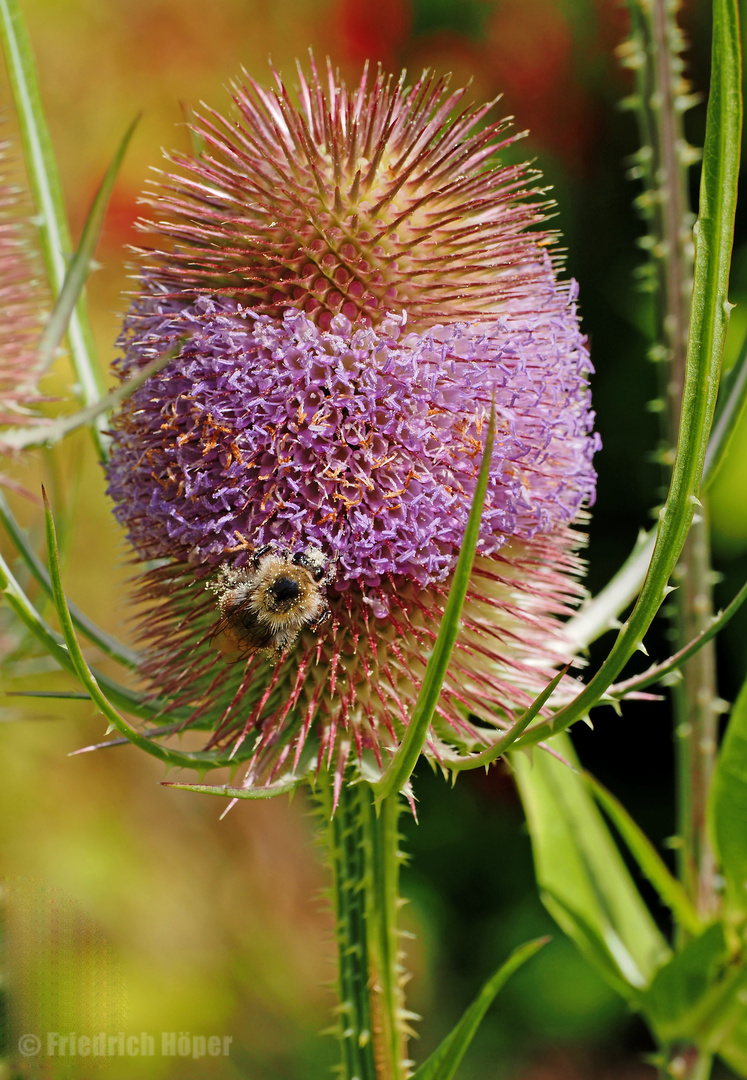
284 589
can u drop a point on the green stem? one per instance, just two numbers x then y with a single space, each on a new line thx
694 697
655 54
676 218
696 723
702 1066
349 869
363 846
689 1064
384 952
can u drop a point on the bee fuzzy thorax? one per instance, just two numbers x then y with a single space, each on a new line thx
265 605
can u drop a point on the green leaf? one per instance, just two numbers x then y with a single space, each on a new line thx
108 744
21 438
729 409
584 882
697 996
657 671
654 868
733 1048
62 695
600 613
400 768
41 167
77 664
99 637
460 763
267 791
445 1059
79 268
714 232
727 809
138 704
20 604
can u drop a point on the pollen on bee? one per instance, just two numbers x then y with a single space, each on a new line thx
266 604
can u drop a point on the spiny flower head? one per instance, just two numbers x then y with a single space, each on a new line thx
21 300
357 204
347 286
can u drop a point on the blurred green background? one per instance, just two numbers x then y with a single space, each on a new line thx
135 906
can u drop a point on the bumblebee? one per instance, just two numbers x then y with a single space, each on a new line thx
264 606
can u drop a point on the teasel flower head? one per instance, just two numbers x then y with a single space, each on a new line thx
22 301
348 283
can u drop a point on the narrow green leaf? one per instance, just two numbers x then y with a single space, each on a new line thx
598 943
714 232
582 877
225 792
727 808
21 438
698 995
733 1048
80 668
601 612
445 1059
400 767
650 862
20 604
729 409
99 637
486 757
108 744
657 671
54 644
79 268
63 695
45 184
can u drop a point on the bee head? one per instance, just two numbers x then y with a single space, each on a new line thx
264 606
284 592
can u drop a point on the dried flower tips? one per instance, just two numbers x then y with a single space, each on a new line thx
265 606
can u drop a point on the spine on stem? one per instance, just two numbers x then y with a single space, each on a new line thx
364 854
662 95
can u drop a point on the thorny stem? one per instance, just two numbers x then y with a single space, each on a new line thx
385 954
655 55
696 718
696 715
365 857
675 260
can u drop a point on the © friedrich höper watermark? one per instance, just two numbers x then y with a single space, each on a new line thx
166 1044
